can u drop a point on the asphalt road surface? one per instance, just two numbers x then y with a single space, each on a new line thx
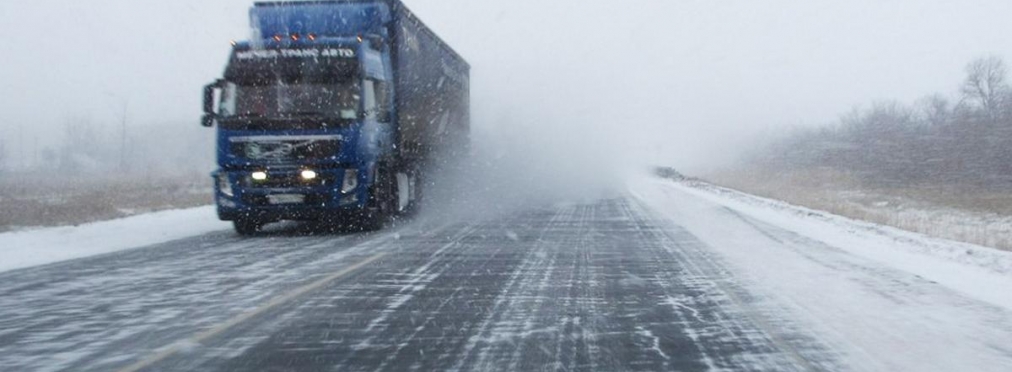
606 286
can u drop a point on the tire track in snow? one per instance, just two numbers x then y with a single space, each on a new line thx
601 286
492 328
735 322
101 312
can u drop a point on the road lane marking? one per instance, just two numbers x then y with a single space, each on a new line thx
275 302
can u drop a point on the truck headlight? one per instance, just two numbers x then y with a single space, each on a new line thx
259 176
224 185
308 174
350 182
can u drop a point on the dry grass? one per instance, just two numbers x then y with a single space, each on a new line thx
29 200
961 213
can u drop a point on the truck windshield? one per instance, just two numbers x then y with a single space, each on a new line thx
287 99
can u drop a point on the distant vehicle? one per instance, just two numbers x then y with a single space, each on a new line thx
334 111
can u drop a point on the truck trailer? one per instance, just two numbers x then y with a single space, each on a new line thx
334 111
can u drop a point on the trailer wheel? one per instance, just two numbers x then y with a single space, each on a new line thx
246 226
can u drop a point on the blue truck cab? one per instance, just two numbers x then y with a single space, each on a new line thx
334 111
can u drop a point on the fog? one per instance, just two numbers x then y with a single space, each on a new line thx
564 94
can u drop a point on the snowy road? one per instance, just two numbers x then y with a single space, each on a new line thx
663 279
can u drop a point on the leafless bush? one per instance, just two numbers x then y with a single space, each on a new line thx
37 199
932 142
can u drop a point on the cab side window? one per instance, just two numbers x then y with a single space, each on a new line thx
383 101
369 101
377 100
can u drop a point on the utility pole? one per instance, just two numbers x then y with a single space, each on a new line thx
21 145
123 138
3 154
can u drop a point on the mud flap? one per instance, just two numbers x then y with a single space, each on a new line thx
404 184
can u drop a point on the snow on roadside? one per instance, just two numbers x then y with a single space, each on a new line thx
880 298
970 254
975 227
37 247
979 272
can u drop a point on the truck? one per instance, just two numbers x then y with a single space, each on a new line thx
334 111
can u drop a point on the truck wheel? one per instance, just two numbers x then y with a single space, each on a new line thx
382 200
246 226
419 193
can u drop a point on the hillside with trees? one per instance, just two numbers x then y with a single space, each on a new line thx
961 141
941 165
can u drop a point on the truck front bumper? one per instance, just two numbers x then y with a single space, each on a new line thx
299 213
237 198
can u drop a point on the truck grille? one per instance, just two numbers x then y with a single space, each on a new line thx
285 149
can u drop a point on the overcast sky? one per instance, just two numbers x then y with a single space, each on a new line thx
685 81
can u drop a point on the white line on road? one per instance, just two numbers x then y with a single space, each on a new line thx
205 335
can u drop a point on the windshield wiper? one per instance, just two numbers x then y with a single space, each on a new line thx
304 113
248 115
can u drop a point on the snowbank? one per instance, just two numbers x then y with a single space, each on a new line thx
880 298
978 272
36 247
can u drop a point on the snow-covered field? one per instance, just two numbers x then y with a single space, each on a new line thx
37 247
886 298
977 227
962 213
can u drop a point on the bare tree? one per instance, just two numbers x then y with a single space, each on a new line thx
936 110
936 141
986 84
83 145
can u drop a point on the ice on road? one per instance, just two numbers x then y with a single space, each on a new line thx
670 277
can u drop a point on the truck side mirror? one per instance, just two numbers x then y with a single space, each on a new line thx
376 42
207 120
209 111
